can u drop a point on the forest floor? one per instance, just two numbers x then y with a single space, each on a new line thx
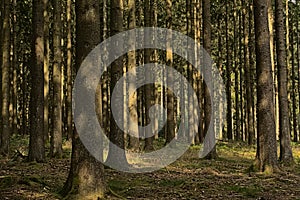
227 177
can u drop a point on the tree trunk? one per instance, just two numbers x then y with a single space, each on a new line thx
249 94
69 70
46 70
267 148
169 61
148 88
294 105
36 116
208 95
116 134
134 142
228 76
56 134
236 74
284 125
6 128
86 175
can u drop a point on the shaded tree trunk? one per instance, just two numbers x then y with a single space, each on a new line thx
56 134
85 180
148 88
284 125
208 80
170 135
267 148
36 107
6 128
228 77
69 70
249 92
116 156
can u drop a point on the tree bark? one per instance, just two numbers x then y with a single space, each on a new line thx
69 70
148 88
286 155
36 107
228 76
56 134
134 142
208 95
116 135
6 128
170 135
267 148
86 175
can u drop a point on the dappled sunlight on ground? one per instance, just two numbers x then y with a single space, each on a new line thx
188 178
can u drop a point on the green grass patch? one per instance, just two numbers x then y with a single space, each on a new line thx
246 191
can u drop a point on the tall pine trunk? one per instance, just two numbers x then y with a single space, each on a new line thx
169 61
284 124
36 115
208 95
116 135
6 128
56 134
266 144
132 101
85 180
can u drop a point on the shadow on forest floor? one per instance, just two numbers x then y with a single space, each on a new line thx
227 177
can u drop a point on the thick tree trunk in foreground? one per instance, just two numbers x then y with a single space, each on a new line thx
286 154
85 180
267 148
36 116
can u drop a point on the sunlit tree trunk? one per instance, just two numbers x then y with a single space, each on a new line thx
132 101
46 70
272 50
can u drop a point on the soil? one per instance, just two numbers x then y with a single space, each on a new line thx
227 177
